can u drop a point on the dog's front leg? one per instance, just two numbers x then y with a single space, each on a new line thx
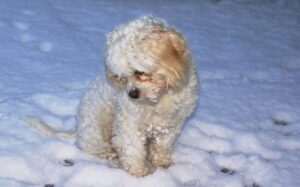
160 149
129 141
164 136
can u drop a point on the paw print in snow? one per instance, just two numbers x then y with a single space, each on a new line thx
227 171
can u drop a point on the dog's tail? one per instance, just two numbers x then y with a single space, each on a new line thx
46 130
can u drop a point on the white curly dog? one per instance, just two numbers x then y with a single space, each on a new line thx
150 89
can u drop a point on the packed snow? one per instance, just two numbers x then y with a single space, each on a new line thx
244 133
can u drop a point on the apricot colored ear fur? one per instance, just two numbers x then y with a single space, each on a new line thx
175 58
178 42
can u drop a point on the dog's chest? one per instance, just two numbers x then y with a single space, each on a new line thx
156 119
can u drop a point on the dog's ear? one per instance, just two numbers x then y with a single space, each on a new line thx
178 42
176 58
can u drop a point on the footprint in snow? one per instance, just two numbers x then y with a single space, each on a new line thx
252 185
280 120
227 171
67 162
49 185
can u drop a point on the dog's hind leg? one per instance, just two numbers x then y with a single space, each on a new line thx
95 123
95 131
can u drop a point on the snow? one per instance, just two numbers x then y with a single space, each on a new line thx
46 46
244 133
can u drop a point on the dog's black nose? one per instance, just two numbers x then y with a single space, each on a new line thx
134 93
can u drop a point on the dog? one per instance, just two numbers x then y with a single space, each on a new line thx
136 111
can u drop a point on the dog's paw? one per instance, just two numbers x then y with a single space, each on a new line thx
108 154
138 169
161 162
159 157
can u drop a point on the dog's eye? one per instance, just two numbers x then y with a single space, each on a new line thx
123 79
142 76
138 73
119 79
141 73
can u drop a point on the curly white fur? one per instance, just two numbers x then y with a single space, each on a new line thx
111 123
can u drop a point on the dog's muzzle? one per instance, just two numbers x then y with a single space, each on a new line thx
134 93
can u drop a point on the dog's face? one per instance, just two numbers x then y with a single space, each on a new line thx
139 85
146 63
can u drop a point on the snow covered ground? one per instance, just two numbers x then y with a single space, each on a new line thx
245 132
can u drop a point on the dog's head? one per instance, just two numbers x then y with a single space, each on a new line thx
146 58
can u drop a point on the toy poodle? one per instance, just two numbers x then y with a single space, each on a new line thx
136 113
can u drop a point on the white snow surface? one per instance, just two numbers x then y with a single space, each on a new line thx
244 133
